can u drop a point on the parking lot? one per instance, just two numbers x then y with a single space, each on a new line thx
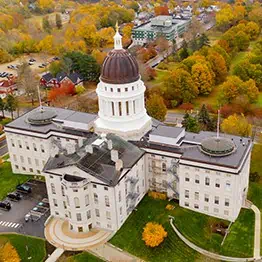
31 204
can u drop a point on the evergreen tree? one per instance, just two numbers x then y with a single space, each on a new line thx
203 41
46 25
190 123
2 107
58 21
183 53
204 119
11 105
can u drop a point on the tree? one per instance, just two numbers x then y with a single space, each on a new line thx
161 10
28 81
203 40
156 107
218 66
241 41
8 253
58 21
55 68
46 25
237 125
183 52
202 78
255 14
84 64
2 107
153 234
5 56
224 17
180 86
190 123
11 105
204 119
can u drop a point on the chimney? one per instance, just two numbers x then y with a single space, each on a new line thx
114 155
110 144
119 165
89 149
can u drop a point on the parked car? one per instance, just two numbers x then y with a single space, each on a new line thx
10 66
32 60
41 66
30 63
14 196
24 188
5 205
56 58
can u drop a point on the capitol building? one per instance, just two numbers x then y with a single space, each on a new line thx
98 168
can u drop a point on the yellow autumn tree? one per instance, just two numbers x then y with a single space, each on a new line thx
237 125
153 234
45 3
99 56
202 78
9 254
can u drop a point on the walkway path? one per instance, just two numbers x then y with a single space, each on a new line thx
111 253
257 231
58 234
207 253
55 255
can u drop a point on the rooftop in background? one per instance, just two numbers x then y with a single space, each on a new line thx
66 121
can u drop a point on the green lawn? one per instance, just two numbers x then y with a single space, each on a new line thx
8 180
259 102
84 257
194 226
35 247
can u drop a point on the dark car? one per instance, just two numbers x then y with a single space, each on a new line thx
56 58
24 188
32 60
14 196
41 66
5 205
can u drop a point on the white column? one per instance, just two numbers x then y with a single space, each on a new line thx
116 108
123 104
131 112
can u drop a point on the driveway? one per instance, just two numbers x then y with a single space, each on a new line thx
13 220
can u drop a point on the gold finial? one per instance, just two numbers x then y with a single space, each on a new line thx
117 27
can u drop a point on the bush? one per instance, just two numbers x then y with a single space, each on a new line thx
174 103
153 234
80 89
170 207
157 195
254 177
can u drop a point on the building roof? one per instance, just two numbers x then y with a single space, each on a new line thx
167 131
58 122
119 67
47 77
74 77
7 83
60 76
99 163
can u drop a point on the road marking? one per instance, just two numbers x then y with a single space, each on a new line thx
9 224
1 222
16 225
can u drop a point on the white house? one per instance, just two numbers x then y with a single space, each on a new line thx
99 167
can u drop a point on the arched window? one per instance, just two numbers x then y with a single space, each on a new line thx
107 201
77 202
53 188
163 167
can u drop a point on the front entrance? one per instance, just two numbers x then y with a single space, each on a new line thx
80 229
90 226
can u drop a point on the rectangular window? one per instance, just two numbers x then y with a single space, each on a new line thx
217 185
26 145
126 89
16 166
113 108
109 226
216 200
88 214
196 195
118 90
206 208
94 186
196 206
120 108
186 193
19 144
207 181
55 202
127 108
226 212
227 202
24 168
12 142
187 179
31 170
216 210
29 160
15 158
78 217
108 215
197 180
36 162
22 159
186 204
64 203
63 191
97 212
87 200
206 198
106 188
75 190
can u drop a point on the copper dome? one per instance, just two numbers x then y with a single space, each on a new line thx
119 67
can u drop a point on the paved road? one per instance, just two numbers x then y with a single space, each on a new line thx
3 147
174 118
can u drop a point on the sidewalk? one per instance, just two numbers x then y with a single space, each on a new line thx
111 253
257 231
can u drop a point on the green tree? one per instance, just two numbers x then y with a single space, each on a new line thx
11 105
55 68
46 25
241 41
203 41
190 123
156 107
58 21
204 119
84 64
237 125
183 52
180 86
2 107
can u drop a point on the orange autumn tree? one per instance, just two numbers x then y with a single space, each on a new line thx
161 10
153 234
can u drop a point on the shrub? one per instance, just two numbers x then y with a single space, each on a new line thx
174 103
170 207
80 89
157 195
153 234
254 177
9 254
